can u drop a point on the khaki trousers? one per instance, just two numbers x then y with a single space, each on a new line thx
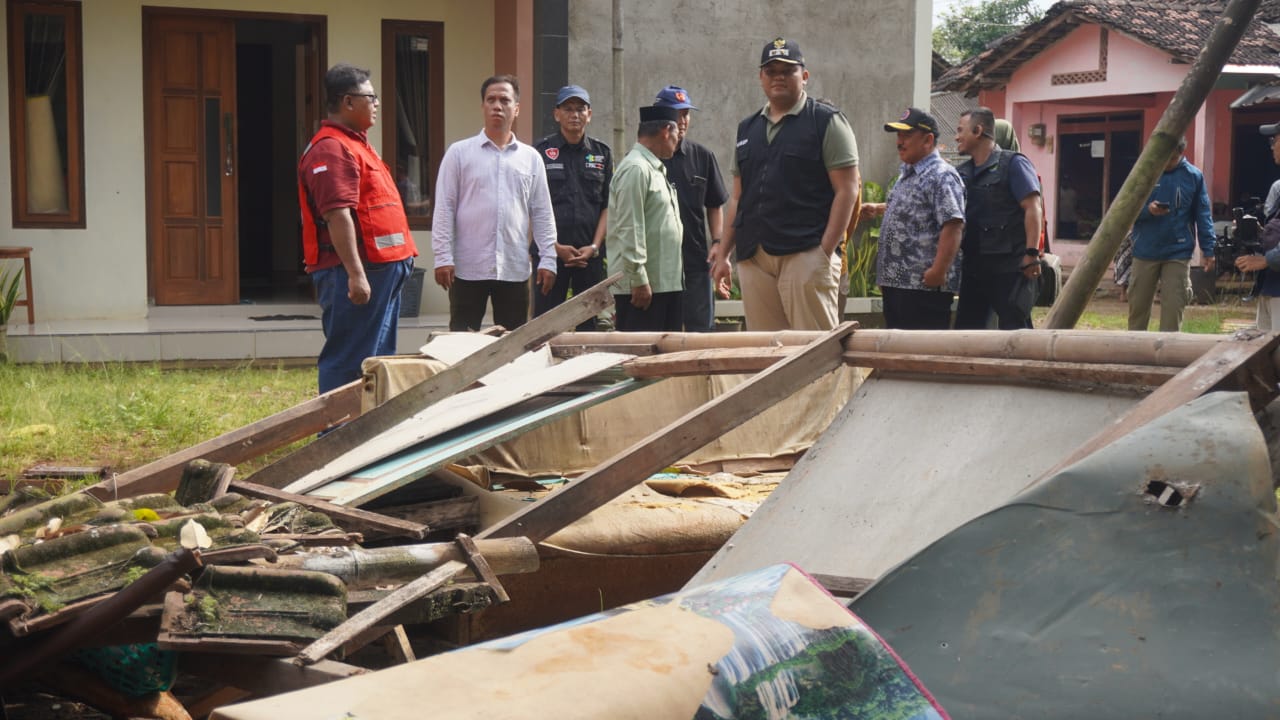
1174 279
790 292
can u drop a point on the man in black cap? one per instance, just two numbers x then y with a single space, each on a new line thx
578 172
644 228
795 182
694 172
1267 286
916 263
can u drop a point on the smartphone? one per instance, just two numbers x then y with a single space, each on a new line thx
1162 205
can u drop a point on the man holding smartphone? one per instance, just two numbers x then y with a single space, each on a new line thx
1175 219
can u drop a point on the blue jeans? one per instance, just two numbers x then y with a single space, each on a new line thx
699 305
355 332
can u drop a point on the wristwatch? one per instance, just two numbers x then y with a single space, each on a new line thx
1032 252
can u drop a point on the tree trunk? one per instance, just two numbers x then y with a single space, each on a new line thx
1142 179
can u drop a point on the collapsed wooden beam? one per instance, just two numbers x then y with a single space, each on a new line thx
246 443
437 387
349 518
1082 346
367 619
697 428
722 361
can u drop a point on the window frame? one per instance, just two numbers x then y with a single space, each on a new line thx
387 112
17 12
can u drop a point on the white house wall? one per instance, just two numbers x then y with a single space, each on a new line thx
101 271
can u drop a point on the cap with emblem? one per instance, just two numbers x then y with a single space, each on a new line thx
650 113
673 96
913 119
572 91
787 51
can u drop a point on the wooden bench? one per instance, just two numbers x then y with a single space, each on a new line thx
24 254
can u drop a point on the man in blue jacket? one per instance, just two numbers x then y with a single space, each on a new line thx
1175 218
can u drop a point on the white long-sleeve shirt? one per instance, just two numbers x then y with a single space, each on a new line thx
487 200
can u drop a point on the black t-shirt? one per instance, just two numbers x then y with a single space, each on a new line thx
578 177
694 172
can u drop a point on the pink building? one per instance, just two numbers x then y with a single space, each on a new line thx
1085 87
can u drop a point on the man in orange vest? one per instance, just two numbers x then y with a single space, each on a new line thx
355 236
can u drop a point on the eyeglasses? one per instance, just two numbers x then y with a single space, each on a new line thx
373 97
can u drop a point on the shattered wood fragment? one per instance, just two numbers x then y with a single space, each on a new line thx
372 615
480 566
842 587
349 518
65 472
397 645
459 512
202 481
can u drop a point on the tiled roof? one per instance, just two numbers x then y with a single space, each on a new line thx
1178 27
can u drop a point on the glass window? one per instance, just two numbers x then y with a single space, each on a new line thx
412 111
46 120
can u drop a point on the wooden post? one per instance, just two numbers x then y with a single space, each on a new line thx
699 427
437 387
1137 187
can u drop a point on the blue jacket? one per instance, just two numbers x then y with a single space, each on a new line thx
1173 236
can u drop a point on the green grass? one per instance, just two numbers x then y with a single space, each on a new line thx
1111 314
125 415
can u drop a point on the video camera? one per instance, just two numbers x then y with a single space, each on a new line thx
1245 239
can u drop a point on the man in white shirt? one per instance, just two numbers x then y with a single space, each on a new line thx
491 194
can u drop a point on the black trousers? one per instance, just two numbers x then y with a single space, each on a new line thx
467 300
579 280
916 309
1008 295
665 312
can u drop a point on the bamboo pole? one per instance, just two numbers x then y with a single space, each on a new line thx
362 568
1074 346
1119 218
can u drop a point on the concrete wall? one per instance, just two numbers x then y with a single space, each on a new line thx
862 55
101 271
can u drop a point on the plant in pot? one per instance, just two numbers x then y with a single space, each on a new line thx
8 298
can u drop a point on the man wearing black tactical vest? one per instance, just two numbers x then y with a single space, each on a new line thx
1000 265
795 169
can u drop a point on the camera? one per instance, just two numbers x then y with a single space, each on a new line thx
1244 239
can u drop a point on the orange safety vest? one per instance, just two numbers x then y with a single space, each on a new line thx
381 222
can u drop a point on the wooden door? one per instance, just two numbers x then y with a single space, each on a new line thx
191 173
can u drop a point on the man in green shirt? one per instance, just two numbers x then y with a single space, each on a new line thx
645 234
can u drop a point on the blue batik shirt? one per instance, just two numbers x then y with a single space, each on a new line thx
925 197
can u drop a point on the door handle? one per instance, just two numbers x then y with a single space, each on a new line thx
227 125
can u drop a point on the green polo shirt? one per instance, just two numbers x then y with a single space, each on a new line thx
644 231
839 146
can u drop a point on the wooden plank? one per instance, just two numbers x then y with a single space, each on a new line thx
349 518
397 646
237 446
266 676
480 567
712 361
1006 369
697 428
418 462
1221 363
459 512
434 389
449 414
372 615
842 587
